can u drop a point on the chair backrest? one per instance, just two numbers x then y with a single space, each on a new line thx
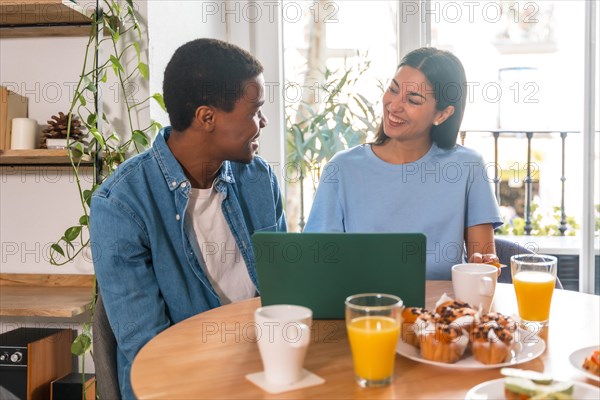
505 249
105 355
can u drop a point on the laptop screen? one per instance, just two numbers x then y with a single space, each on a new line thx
319 270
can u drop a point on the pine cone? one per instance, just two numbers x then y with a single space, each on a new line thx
57 129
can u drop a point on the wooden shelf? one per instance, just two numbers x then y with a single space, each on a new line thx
37 157
39 295
35 18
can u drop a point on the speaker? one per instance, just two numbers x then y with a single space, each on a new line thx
31 358
70 387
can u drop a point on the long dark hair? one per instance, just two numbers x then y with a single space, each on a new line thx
446 75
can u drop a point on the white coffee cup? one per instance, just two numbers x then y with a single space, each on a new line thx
283 335
475 284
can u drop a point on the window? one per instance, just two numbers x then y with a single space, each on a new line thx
327 43
531 51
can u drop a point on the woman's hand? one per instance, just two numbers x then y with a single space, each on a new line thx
491 259
484 259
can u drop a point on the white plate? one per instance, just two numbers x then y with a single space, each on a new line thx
577 358
527 347
495 390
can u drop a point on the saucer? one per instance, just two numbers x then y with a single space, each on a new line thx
308 379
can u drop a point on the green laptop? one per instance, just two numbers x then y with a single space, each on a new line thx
319 270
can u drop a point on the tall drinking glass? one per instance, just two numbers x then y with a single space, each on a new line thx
534 277
373 324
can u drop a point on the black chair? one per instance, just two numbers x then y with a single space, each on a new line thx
105 355
505 249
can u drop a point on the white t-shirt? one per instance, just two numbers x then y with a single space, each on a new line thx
224 264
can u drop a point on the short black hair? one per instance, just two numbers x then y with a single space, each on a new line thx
447 78
206 72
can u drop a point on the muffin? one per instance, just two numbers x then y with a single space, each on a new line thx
502 320
409 317
456 312
440 340
491 343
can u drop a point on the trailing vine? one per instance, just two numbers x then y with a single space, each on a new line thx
116 31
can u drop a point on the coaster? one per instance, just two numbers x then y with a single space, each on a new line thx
308 379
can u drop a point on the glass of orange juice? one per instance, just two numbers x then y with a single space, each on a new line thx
373 323
534 277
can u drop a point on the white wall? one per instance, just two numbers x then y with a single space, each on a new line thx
173 23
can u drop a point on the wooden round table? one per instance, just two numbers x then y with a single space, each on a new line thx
209 355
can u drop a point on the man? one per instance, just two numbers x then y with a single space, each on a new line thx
171 227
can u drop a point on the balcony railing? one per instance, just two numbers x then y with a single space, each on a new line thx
496 134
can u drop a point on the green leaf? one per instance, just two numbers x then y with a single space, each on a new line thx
84 220
87 196
82 100
104 77
91 119
159 99
81 345
113 137
113 22
98 136
156 126
58 249
143 67
140 138
108 27
136 45
77 149
72 233
89 85
116 64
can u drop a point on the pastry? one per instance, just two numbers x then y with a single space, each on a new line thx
592 363
456 312
440 340
502 320
409 316
491 343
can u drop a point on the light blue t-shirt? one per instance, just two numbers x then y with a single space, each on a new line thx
439 195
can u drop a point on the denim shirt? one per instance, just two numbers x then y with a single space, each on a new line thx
148 272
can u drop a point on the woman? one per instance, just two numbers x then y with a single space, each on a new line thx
414 177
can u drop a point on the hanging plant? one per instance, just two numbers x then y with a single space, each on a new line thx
115 28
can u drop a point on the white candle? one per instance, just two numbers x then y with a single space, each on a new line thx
23 133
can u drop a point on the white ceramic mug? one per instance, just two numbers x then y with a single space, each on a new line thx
475 284
283 335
